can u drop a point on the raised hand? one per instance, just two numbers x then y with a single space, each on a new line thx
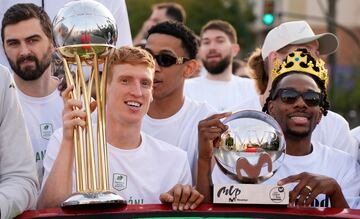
209 130
73 115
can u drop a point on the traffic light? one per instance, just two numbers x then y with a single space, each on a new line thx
268 12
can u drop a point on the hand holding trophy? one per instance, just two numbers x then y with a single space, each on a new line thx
85 33
250 152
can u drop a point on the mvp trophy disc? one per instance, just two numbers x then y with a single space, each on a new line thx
250 152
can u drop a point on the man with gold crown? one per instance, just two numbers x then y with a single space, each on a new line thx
333 130
317 175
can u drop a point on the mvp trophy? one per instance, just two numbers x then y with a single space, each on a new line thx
85 33
250 152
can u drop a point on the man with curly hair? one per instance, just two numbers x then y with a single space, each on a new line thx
317 175
333 130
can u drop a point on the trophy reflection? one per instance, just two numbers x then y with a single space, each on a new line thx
250 152
85 33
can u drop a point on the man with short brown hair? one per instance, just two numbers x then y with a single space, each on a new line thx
151 170
29 52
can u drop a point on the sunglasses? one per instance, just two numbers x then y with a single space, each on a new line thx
165 60
290 96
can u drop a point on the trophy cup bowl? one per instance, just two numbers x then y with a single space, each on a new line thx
84 28
85 33
254 137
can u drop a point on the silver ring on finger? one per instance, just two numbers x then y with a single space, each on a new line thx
309 188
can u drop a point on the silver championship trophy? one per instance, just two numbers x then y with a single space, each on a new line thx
85 33
250 152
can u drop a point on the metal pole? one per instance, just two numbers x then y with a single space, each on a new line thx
331 27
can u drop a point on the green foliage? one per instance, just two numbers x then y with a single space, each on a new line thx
237 12
346 95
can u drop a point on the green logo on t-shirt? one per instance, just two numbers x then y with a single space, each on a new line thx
46 130
119 181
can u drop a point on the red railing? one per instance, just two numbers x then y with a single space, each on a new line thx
205 210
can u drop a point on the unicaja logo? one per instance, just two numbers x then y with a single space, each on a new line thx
277 194
229 192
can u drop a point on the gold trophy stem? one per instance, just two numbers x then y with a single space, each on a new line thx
92 177
78 150
99 125
103 160
91 171
90 82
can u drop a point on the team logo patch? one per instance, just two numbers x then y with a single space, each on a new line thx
46 130
119 181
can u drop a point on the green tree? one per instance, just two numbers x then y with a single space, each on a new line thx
238 12
346 99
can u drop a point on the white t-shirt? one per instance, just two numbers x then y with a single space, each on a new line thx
222 95
181 129
43 115
323 160
117 8
139 175
355 133
333 130
18 178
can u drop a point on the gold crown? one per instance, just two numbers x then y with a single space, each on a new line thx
298 61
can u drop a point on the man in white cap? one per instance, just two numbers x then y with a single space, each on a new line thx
333 130
295 34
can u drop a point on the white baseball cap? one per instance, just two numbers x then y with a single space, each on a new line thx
297 32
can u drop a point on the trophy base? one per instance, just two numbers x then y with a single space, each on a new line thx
250 194
94 198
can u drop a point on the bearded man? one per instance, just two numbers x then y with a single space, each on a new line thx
219 87
27 42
